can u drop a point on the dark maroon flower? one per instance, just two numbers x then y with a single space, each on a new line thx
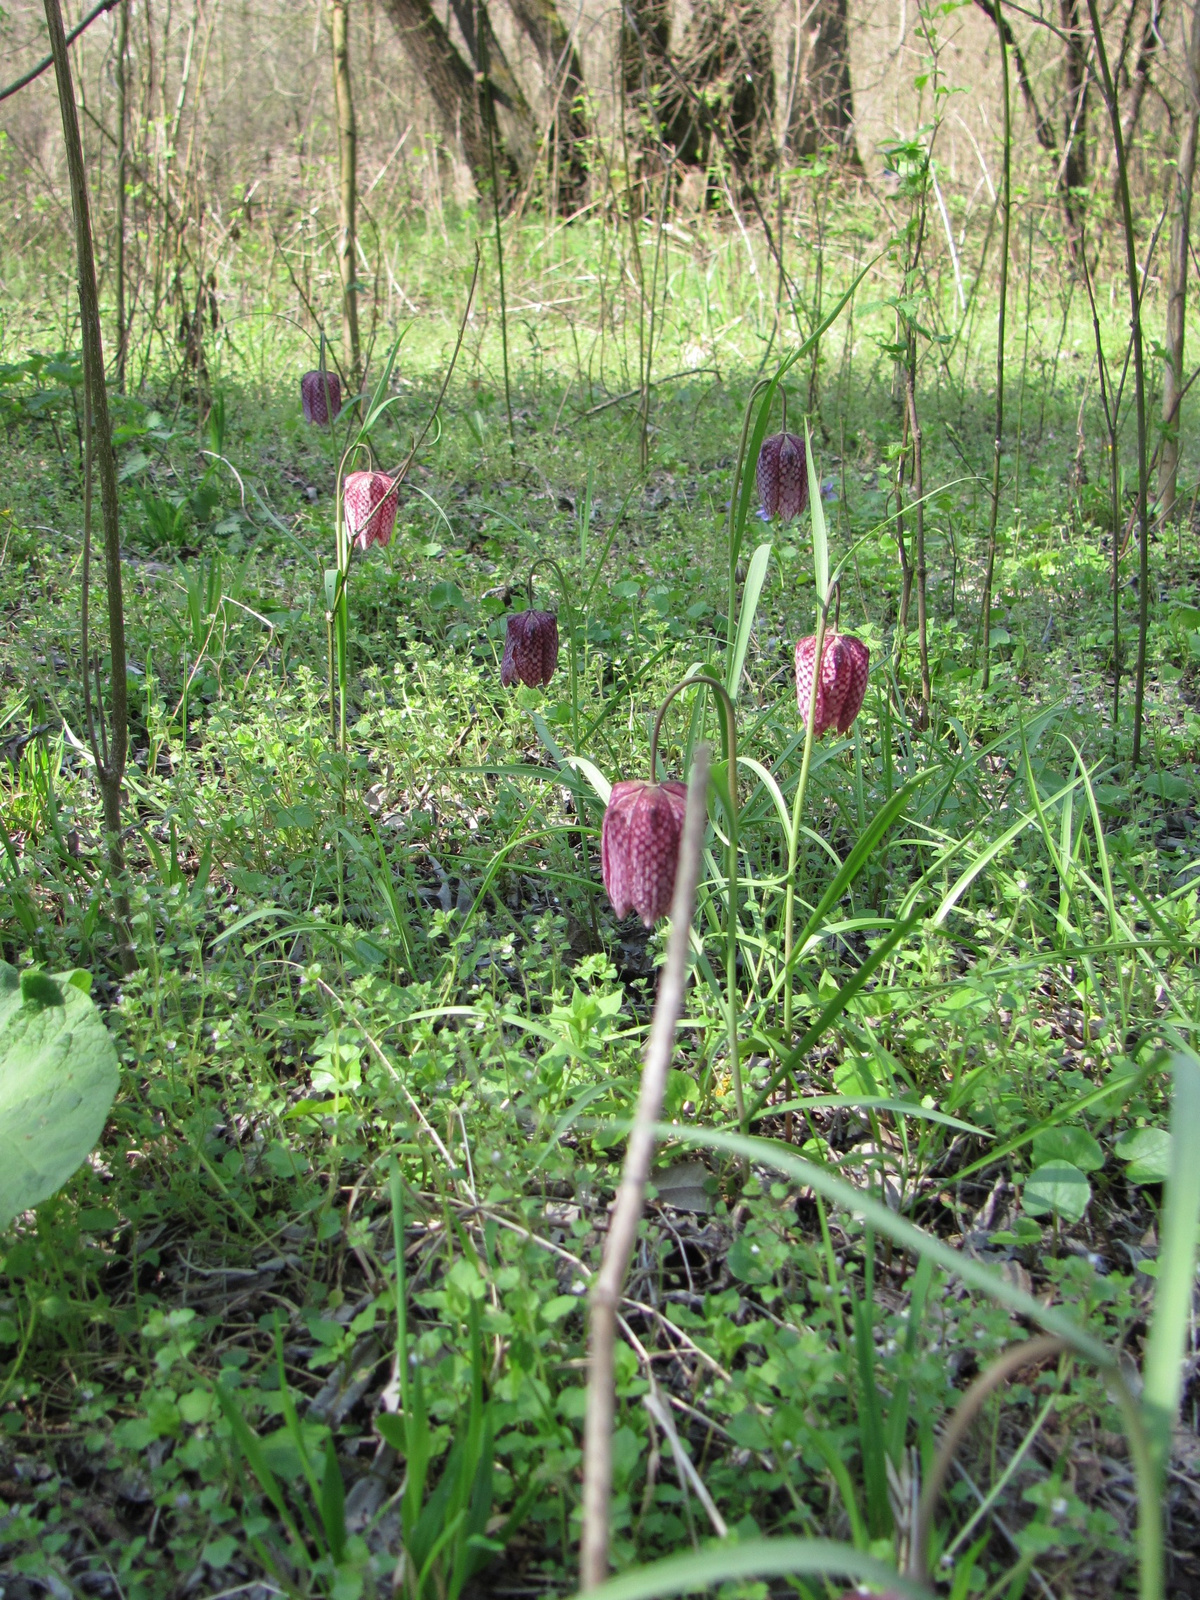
841 685
530 649
369 500
321 397
782 476
639 846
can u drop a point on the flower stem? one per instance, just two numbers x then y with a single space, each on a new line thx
794 835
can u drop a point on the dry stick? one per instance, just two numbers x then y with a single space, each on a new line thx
1139 379
627 1211
110 760
1006 206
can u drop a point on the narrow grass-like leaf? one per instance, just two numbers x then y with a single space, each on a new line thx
820 534
974 1274
756 1558
756 576
1167 1344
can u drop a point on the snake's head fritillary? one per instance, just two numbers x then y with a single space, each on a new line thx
369 501
530 649
841 683
639 846
321 397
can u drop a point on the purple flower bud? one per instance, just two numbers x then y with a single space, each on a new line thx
369 502
782 476
841 685
321 397
530 649
639 847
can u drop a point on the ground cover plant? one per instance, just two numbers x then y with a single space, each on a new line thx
411 1057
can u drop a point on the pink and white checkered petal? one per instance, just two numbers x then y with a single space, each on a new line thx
639 847
766 474
793 477
321 397
370 508
856 685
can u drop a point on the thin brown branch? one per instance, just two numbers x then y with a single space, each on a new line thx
627 1212
48 61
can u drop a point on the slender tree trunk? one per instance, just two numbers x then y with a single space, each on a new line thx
1185 169
564 77
110 756
122 69
1141 81
823 106
1075 120
347 187
1139 382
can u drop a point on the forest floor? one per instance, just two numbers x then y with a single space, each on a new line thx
385 991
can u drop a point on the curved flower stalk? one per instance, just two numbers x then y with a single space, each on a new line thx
830 696
640 851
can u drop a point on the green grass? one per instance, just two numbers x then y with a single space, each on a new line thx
390 981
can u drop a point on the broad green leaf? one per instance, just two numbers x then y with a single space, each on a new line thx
1148 1152
1075 1145
58 1077
1057 1189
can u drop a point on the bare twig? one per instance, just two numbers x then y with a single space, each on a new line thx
48 61
627 1212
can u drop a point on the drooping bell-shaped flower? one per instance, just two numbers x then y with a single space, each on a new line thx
369 502
530 649
782 476
841 684
639 846
321 397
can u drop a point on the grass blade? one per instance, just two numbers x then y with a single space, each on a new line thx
1165 1349
757 1558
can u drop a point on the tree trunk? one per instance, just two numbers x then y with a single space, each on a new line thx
564 77
645 41
451 83
347 247
823 101
1139 82
1075 109
508 108
1185 168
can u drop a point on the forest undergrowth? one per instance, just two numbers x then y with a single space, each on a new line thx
381 998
